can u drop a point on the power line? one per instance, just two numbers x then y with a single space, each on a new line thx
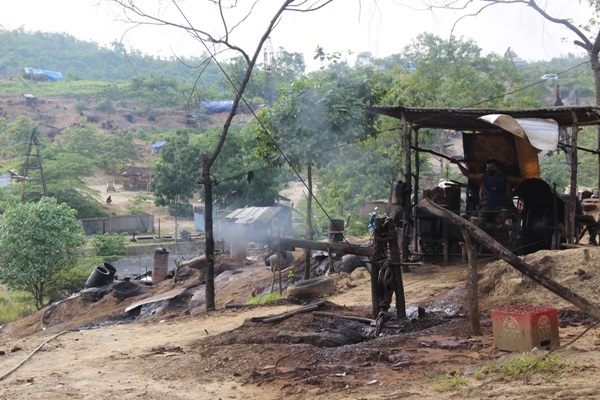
520 89
266 131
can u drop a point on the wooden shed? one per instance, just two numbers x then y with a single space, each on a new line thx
136 178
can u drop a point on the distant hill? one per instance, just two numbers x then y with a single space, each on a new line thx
80 60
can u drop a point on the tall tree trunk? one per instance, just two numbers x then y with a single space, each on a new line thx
309 226
210 241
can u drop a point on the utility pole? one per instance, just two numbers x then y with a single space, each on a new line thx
268 66
33 161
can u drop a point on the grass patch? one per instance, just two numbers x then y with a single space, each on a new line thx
265 298
63 88
531 364
14 305
526 365
450 382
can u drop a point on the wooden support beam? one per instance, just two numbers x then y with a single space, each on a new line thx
377 258
406 206
291 244
487 241
573 189
472 284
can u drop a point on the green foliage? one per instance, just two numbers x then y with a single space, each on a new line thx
175 175
242 177
7 199
450 382
14 305
555 168
264 299
454 74
134 206
38 240
106 106
527 365
326 108
112 152
79 60
69 281
16 134
374 164
109 246
63 173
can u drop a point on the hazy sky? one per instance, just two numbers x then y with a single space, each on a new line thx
382 27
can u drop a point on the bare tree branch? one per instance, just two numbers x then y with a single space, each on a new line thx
315 6
565 22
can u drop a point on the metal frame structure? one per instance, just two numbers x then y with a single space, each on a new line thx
468 120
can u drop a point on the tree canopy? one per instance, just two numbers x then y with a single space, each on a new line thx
38 240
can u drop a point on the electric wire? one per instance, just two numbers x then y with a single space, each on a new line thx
269 135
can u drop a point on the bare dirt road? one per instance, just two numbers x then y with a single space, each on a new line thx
222 355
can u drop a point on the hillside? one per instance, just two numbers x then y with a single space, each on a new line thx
56 113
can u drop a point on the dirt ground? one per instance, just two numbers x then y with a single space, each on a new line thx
224 355
123 199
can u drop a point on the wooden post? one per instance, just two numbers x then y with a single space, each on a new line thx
377 257
395 265
445 247
309 227
475 325
573 190
406 204
279 268
416 201
487 241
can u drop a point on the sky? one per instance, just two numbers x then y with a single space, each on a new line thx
382 27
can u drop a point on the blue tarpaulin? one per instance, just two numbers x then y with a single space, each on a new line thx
213 107
42 74
159 144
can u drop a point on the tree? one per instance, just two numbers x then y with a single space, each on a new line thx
38 240
242 178
318 111
175 175
220 40
586 36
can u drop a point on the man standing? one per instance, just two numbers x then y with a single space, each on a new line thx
494 191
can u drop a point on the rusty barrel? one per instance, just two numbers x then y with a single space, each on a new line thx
160 267
336 230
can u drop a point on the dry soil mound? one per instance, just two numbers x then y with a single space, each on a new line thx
501 284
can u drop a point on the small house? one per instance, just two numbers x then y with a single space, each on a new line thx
136 178
254 224
30 99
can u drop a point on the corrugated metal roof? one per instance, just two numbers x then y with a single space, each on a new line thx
250 215
467 119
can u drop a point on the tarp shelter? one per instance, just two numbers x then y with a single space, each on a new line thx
156 146
530 128
42 74
213 107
